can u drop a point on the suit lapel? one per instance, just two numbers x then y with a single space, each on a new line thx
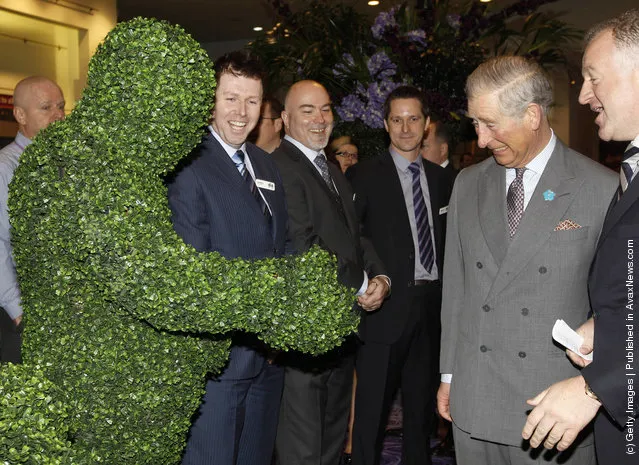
617 209
298 156
261 172
219 163
223 169
540 217
491 199
432 179
396 200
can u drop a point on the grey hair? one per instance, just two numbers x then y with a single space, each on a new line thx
518 81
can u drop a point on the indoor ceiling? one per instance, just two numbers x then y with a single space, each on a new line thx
230 20
222 20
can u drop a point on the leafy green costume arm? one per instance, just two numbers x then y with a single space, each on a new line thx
122 318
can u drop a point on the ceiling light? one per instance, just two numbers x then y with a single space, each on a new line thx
373 2
258 28
485 1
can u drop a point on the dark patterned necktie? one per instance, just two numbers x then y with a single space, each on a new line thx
515 201
322 164
630 159
426 252
238 159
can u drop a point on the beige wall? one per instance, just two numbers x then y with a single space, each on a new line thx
40 38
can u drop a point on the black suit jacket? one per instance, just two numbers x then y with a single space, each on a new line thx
613 278
381 209
213 210
316 216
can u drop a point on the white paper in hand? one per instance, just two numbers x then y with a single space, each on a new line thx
567 337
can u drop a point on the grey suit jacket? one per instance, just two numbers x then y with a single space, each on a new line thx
501 297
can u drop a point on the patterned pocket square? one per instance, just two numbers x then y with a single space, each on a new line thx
567 225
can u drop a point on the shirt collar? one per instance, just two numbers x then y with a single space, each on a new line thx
538 164
308 153
22 141
229 150
401 163
635 142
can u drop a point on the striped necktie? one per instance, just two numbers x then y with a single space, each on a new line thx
424 239
322 164
628 166
238 159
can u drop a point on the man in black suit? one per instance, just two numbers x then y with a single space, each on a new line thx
437 144
401 201
228 197
316 399
611 88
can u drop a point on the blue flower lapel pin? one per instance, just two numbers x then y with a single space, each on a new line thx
549 195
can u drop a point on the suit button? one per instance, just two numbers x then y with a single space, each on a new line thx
479 265
486 308
542 269
522 354
411 256
524 311
483 348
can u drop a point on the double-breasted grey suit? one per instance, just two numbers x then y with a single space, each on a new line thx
502 296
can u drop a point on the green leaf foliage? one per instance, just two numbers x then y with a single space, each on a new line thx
123 320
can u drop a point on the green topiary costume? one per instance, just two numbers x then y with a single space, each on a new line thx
123 320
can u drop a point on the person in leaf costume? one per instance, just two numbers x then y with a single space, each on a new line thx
123 319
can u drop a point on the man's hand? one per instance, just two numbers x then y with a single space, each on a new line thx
443 401
17 320
375 294
587 331
560 413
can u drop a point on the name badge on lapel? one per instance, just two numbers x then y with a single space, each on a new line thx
443 210
262 184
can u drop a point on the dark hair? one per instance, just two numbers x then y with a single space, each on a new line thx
240 63
442 131
406 92
275 105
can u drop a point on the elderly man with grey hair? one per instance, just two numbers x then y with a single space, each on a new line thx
522 229
611 89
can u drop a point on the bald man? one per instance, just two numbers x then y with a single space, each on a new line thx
317 390
37 102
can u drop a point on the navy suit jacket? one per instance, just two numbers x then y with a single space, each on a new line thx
213 210
611 285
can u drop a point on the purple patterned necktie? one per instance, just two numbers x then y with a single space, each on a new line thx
515 201
238 159
426 253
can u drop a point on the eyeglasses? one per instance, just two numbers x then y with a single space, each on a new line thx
352 155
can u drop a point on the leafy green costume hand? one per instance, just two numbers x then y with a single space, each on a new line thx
123 320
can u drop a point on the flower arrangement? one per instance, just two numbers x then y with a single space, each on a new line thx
434 48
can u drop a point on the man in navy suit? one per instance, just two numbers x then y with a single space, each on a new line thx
228 197
606 388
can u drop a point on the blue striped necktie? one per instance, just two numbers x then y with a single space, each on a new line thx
426 252
238 159
628 165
